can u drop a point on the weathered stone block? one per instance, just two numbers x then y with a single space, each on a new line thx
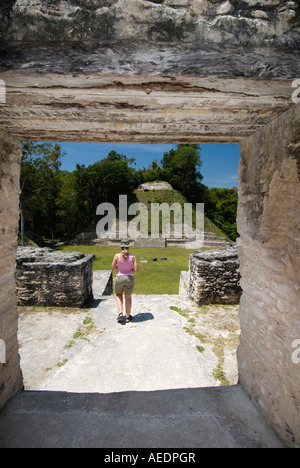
215 277
46 277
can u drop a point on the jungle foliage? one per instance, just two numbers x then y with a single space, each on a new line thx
59 204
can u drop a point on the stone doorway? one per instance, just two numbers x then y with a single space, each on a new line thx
259 115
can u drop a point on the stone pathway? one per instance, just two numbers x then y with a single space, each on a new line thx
139 385
88 351
170 343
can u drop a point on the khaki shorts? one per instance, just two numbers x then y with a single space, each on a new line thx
124 283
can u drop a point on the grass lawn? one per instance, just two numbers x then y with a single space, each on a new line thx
161 277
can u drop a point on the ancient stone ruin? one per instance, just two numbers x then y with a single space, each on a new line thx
155 186
196 71
214 277
45 277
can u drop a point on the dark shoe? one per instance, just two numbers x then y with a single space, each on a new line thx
128 319
120 318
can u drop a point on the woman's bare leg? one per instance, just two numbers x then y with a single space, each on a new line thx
119 299
128 305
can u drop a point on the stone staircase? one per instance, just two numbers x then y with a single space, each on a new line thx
212 241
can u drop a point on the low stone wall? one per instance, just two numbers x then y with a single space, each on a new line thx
102 283
46 277
214 277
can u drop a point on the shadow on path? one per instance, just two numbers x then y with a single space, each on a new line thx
142 317
182 418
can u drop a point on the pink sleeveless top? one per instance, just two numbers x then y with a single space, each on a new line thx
125 266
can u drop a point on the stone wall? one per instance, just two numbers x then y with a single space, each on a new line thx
46 277
214 277
215 21
10 156
210 37
269 226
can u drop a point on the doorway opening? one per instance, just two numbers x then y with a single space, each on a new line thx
206 336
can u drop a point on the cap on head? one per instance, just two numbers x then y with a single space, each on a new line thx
125 244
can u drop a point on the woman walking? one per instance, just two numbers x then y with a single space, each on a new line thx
126 265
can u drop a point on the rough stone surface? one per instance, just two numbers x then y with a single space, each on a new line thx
189 37
143 109
214 277
268 220
145 71
51 278
10 156
165 21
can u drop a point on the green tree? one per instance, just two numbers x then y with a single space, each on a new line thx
182 170
221 208
67 206
87 187
39 186
117 177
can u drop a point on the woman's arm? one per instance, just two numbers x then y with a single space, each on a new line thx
114 265
135 265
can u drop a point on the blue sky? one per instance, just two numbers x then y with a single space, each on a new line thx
220 162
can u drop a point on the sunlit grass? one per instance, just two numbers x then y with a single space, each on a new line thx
154 277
